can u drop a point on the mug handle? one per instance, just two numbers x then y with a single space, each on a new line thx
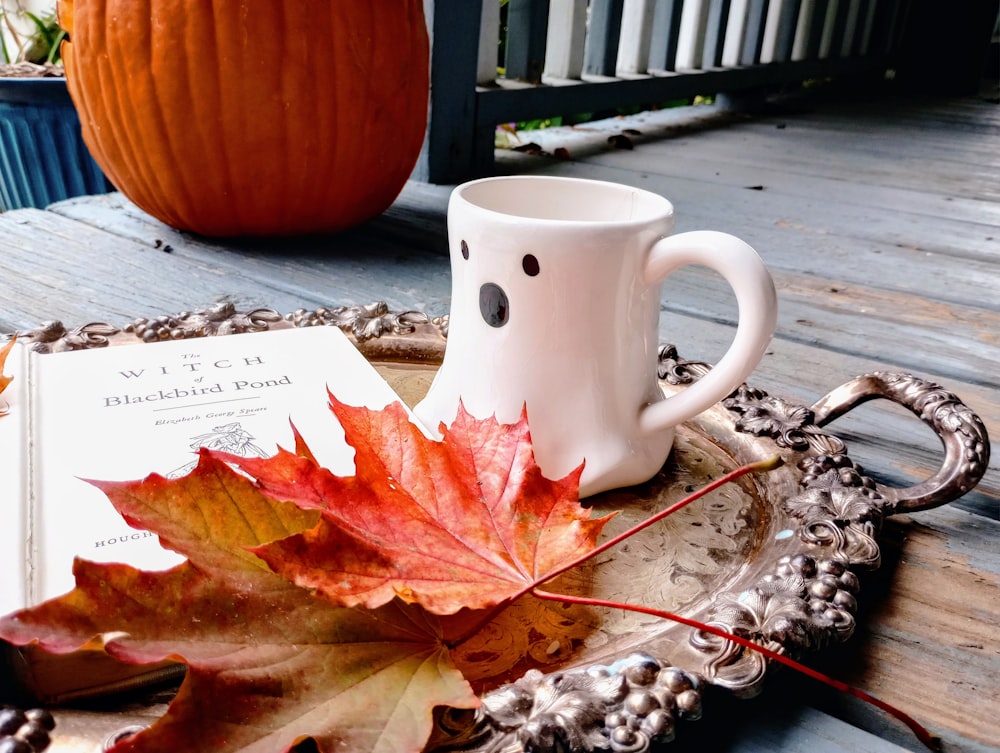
747 275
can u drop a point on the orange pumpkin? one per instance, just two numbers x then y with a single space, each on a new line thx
229 117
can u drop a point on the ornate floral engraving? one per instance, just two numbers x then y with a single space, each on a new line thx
53 337
220 319
624 707
790 426
810 598
682 559
364 322
763 415
847 519
676 370
840 512
804 604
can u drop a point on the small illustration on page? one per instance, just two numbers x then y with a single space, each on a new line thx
231 438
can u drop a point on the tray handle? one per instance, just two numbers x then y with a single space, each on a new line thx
961 431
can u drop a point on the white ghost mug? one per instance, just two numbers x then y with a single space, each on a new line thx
556 286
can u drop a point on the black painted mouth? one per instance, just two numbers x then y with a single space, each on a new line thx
493 305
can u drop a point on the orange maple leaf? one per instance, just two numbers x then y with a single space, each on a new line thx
4 352
268 663
467 522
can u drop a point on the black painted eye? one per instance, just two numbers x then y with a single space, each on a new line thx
530 265
465 250
494 305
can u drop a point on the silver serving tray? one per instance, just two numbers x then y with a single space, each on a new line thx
773 558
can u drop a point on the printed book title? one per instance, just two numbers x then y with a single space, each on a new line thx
201 379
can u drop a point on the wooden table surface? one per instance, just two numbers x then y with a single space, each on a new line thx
880 220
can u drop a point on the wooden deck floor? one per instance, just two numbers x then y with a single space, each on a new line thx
880 220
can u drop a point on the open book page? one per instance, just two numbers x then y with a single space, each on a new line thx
121 413
14 440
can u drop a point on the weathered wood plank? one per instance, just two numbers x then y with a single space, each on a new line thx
867 218
666 30
777 721
527 31
601 48
92 273
636 37
968 152
567 35
880 248
448 149
691 39
753 39
809 33
489 43
928 635
962 167
416 220
961 341
715 33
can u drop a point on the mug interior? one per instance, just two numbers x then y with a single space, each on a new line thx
565 199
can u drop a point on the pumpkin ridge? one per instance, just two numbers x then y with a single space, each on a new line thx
120 110
169 124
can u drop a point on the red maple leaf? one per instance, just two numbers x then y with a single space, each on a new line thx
468 522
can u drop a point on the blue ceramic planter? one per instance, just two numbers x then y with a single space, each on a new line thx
42 155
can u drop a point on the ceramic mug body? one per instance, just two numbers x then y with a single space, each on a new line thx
556 287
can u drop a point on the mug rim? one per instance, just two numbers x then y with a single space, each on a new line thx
656 207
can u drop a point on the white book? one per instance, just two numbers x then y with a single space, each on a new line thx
14 453
121 413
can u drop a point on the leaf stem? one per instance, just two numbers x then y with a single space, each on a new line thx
761 466
930 740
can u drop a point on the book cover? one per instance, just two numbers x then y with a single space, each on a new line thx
121 413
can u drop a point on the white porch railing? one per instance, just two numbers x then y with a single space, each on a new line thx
569 56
